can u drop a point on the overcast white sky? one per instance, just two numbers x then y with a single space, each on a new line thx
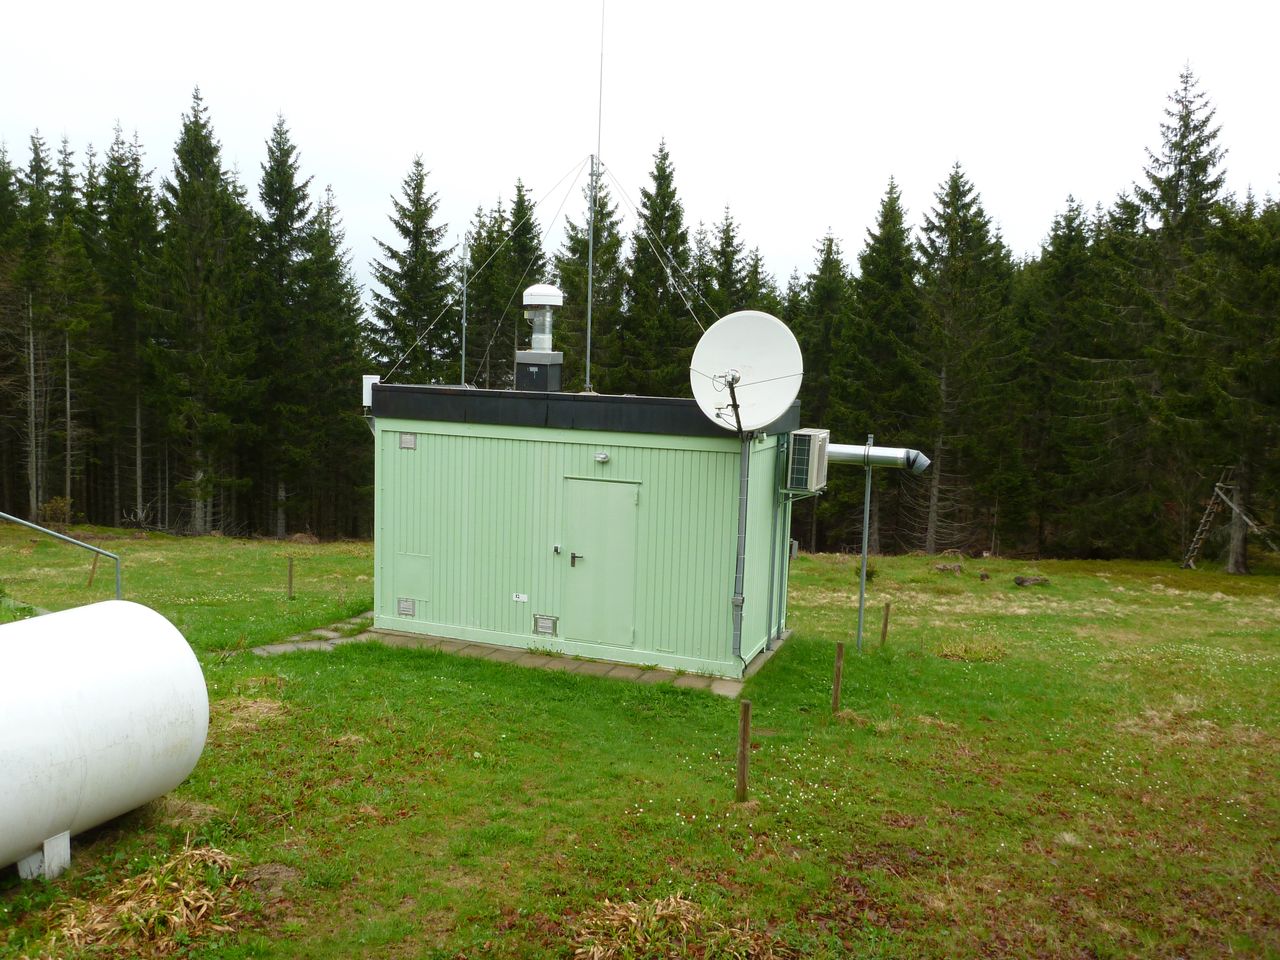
793 113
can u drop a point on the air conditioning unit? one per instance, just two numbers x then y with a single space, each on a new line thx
807 462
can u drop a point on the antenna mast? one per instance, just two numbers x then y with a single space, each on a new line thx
595 186
466 262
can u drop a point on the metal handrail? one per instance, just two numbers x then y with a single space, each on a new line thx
71 540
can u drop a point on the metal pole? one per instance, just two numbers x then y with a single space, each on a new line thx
591 269
773 542
866 523
744 474
462 370
65 539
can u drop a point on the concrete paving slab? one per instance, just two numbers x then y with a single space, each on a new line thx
449 646
656 676
325 634
274 649
557 664
402 642
624 672
343 641
476 650
692 681
593 668
505 654
726 688
531 660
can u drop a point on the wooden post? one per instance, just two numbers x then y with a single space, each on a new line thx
744 748
884 626
835 686
93 569
291 578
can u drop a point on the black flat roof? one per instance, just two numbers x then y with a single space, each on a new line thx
565 411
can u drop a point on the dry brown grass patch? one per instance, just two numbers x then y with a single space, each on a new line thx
973 650
673 928
243 713
153 914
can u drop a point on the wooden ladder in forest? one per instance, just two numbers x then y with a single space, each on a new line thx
1222 491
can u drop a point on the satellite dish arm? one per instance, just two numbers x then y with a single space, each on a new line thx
731 379
913 460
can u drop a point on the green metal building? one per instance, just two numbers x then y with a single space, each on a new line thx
598 526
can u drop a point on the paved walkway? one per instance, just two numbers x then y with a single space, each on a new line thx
356 630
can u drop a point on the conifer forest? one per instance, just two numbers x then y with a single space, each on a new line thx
182 350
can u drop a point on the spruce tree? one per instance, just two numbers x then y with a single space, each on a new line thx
729 269
520 264
285 332
661 331
12 339
880 358
1184 180
969 350
128 263
415 335
34 241
335 501
488 299
820 327
759 291
206 327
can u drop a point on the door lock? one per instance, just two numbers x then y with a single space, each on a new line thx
574 558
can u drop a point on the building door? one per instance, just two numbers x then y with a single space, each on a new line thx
598 561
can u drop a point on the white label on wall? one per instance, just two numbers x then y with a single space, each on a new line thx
520 597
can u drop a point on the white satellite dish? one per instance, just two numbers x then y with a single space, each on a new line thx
755 354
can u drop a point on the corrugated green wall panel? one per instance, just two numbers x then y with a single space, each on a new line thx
486 505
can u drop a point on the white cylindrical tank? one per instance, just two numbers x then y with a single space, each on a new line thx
102 708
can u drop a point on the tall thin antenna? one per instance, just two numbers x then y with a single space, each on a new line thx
595 187
466 262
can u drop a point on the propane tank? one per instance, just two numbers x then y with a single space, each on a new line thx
102 709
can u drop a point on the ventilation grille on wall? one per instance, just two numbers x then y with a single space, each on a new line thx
408 441
405 607
807 463
545 625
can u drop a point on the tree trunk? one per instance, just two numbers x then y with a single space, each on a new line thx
115 483
66 397
873 535
935 476
33 472
935 488
137 455
1238 552
281 527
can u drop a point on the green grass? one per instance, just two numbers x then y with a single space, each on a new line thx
223 594
1089 770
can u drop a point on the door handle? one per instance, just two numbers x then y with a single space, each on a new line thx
574 558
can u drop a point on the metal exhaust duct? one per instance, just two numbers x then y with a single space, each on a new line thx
912 460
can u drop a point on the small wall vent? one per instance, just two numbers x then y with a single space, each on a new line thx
545 625
408 441
405 607
807 461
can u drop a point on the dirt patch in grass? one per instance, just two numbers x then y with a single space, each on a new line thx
670 927
972 650
239 714
155 913
269 882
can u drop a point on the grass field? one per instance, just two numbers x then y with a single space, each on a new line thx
1083 768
